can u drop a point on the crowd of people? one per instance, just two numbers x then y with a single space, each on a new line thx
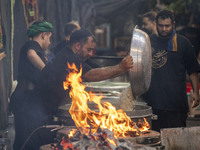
40 91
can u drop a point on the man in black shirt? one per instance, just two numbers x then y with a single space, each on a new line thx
173 57
54 73
69 28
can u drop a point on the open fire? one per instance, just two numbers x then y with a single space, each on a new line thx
101 140
106 117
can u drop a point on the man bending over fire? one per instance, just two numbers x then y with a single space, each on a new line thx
50 92
81 46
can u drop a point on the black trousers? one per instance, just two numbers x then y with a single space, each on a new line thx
30 115
168 119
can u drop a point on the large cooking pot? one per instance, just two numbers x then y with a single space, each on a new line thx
104 61
138 113
140 74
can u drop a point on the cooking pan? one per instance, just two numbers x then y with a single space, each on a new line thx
140 74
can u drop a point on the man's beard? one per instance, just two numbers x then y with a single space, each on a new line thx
81 55
167 35
147 31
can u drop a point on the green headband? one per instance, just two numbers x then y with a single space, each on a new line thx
38 28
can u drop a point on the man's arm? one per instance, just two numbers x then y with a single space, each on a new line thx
104 73
195 85
35 59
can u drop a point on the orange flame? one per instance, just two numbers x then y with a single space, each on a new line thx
107 116
71 133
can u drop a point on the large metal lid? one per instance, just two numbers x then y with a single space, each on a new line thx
140 74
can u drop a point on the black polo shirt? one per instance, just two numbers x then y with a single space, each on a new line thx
26 70
53 75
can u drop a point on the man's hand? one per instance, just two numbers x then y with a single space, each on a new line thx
126 63
104 73
194 100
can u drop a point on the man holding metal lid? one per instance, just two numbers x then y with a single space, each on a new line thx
54 73
31 62
173 57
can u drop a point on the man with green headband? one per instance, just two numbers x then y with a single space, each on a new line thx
31 62
38 27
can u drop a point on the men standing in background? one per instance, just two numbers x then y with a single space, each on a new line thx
149 23
173 57
70 27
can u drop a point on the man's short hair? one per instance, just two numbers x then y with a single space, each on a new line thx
70 27
80 36
164 14
151 15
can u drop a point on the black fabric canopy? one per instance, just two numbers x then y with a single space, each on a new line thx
5 62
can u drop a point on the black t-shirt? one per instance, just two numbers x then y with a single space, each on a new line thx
168 82
26 70
53 75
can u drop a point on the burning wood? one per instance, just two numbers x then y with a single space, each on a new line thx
101 140
107 116
91 141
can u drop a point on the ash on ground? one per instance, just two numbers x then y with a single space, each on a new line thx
101 140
